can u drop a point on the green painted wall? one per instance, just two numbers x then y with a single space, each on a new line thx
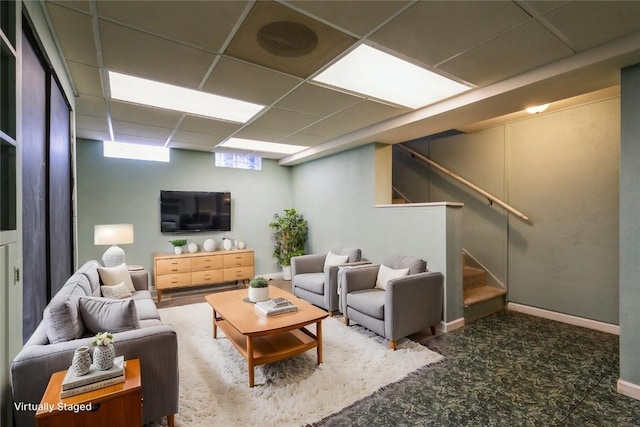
630 226
559 168
341 212
128 191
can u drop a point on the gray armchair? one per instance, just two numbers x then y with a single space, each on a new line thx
409 304
312 282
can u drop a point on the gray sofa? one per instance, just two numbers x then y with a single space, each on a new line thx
151 341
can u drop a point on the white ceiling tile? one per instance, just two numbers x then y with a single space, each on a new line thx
205 24
208 126
247 82
151 132
432 31
331 128
317 100
133 113
186 146
138 138
368 112
284 120
197 138
88 105
86 78
93 134
142 55
535 46
92 123
304 139
80 5
262 134
75 34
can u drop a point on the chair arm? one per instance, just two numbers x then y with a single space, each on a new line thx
355 278
313 263
413 303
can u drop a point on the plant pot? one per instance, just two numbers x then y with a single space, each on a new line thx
177 249
103 356
258 294
286 272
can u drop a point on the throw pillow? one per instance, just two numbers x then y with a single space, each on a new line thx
112 276
118 291
385 274
108 315
62 320
333 259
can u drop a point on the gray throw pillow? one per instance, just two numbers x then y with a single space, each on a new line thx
62 321
108 315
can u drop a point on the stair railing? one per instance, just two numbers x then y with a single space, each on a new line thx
399 193
492 199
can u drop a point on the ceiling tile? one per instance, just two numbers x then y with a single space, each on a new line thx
88 105
197 138
140 54
86 78
75 34
92 123
205 24
535 46
262 134
595 24
245 44
93 134
152 132
433 31
82 6
368 112
185 146
133 113
247 82
284 120
349 15
208 126
138 139
331 128
304 140
542 7
317 100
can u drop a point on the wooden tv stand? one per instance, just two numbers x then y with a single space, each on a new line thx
172 271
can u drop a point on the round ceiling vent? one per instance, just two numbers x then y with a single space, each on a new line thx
286 38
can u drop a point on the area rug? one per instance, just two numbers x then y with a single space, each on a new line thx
214 380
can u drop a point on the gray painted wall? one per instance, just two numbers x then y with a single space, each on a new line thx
559 168
341 212
128 191
630 226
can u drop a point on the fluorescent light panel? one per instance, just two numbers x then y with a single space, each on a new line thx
162 95
374 73
537 109
268 147
124 150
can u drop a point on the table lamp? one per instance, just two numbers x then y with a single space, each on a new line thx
113 234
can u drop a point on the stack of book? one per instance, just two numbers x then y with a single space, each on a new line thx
275 306
73 384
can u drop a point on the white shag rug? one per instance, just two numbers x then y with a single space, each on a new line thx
214 383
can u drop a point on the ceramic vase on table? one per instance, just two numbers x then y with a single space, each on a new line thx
258 294
209 245
226 244
177 249
81 362
103 356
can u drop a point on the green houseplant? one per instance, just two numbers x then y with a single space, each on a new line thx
258 289
290 233
178 244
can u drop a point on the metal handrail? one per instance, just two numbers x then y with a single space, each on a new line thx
399 193
489 196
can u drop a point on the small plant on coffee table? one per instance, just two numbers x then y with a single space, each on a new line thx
258 282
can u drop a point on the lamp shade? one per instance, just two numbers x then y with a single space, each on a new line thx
113 234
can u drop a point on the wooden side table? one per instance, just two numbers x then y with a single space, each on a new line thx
115 405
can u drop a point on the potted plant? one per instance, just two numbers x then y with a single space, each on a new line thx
177 245
290 234
258 289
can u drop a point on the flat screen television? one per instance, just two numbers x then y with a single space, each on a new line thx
194 211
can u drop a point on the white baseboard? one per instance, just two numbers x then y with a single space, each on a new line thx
451 326
629 389
565 318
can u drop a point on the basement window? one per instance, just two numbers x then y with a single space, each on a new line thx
124 150
239 161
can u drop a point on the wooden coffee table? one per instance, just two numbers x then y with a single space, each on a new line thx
261 339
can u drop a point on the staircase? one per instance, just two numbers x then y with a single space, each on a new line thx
480 300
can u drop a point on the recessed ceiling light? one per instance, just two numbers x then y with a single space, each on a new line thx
371 72
163 95
268 147
537 109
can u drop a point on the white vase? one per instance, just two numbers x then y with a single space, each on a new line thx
286 272
209 245
177 249
192 248
103 356
258 294
81 362
226 244
241 244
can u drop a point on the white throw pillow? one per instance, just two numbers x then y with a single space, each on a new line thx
112 276
385 274
118 291
333 259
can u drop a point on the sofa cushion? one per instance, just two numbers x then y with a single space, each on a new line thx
108 315
369 302
333 259
62 320
146 309
111 276
118 291
385 274
312 282
354 254
415 265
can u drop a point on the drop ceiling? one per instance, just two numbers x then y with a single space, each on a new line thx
513 54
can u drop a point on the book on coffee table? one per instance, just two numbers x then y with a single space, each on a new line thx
71 380
275 306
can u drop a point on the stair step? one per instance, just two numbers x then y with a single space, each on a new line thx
398 201
478 295
473 278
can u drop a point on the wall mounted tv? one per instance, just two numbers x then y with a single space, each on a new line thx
194 211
